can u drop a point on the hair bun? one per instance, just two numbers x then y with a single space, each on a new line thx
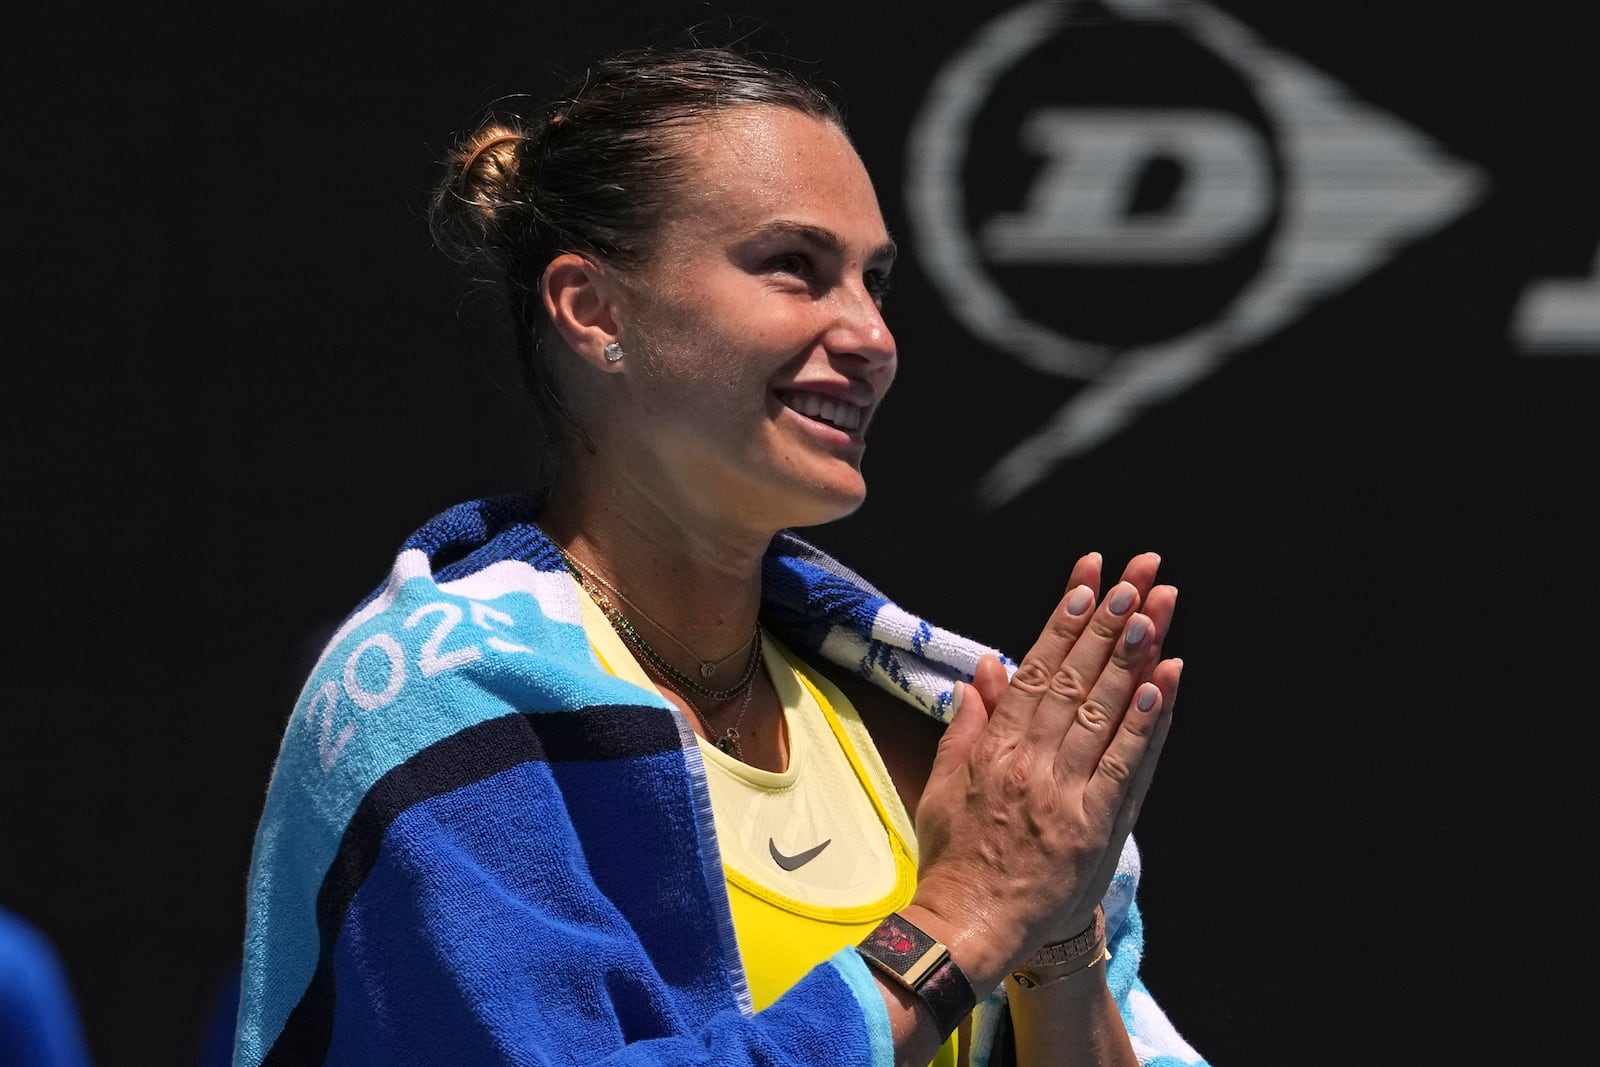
488 163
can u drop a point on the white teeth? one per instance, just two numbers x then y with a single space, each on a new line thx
840 413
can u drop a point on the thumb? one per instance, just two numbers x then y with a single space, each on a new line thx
992 680
971 716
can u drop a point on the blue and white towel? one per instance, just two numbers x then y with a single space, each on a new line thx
479 847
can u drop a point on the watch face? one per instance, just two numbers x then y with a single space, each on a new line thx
907 951
924 966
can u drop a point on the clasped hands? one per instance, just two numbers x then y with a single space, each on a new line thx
1039 778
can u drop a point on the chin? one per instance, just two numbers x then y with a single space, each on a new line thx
828 501
795 489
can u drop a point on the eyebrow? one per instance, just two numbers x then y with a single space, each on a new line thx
824 239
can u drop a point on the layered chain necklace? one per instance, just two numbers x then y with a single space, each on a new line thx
601 591
729 741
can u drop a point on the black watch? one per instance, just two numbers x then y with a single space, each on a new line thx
901 950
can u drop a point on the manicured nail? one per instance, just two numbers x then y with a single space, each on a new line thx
955 698
1121 599
1148 694
1079 599
1135 632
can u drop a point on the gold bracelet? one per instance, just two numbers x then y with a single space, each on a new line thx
1063 959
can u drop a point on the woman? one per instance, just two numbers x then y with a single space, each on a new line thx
602 773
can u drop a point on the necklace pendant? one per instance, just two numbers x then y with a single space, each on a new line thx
724 744
707 669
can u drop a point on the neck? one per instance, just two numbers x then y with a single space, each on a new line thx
692 576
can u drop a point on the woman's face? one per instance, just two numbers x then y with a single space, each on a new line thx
756 349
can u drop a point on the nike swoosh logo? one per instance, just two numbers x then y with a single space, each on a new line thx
795 862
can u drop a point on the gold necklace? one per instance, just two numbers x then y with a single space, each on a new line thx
708 667
587 578
728 743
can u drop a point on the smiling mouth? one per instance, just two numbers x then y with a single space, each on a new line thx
840 414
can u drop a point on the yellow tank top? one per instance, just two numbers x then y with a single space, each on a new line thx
816 854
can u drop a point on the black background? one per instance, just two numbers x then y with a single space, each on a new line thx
240 376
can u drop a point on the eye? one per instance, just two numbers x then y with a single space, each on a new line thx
794 263
877 283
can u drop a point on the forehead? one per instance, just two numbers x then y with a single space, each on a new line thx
750 165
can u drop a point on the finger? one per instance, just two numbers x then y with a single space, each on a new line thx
1122 779
1086 571
1141 571
1031 679
1099 714
1167 675
1159 604
1165 678
1072 679
1138 658
1089 655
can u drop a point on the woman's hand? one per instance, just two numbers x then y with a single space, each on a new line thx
1038 781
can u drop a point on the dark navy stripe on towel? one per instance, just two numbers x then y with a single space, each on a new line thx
600 733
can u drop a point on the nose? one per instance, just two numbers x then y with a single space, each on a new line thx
860 333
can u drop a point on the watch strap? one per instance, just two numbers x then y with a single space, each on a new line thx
914 959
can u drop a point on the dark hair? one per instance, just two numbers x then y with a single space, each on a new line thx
596 171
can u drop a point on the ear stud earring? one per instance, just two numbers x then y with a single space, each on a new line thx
613 352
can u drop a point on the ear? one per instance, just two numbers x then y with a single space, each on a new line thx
580 298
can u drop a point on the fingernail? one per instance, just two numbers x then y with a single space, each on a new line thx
1147 697
1138 626
1121 599
1079 599
955 697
